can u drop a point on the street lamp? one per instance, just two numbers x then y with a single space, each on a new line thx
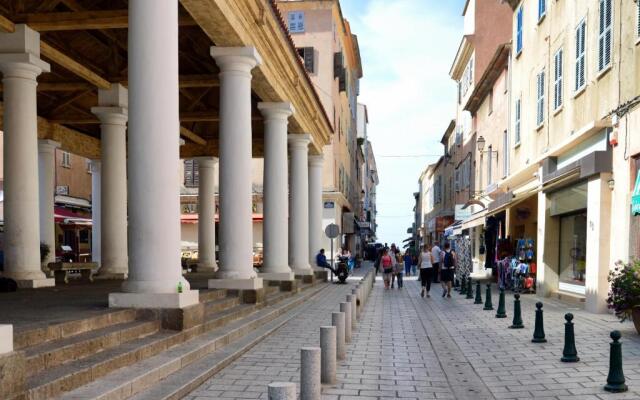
480 142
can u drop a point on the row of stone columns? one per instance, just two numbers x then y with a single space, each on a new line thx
139 218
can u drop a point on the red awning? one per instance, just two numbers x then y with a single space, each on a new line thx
66 216
193 218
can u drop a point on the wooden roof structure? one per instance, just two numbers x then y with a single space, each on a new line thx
85 41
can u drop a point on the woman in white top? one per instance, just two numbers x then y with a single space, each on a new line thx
425 261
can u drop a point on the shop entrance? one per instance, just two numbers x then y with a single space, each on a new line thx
573 251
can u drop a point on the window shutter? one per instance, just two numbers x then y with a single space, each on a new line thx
638 20
337 64
519 30
517 127
342 81
605 33
309 59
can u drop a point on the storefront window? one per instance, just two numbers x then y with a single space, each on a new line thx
569 205
634 226
573 250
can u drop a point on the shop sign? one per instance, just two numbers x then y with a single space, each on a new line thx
462 214
329 204
443 222
635 197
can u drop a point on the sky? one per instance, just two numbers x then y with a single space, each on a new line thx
407 48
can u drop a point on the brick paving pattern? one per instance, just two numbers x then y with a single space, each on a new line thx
413 348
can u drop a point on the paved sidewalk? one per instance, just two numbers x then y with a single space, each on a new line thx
413 348
277 358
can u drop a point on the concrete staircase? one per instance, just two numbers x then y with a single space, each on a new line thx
118 355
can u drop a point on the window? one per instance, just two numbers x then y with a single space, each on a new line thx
580 55
296 21
605 34
638 20
542 9
467 78
505 154
457 175
191 174
306 53
540 98
517 124
66 159
519 31
557 81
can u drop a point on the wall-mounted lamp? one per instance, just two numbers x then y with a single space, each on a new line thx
612 183
480 142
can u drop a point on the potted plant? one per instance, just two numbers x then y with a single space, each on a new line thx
624 295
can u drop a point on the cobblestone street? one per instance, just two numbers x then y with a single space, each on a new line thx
414 348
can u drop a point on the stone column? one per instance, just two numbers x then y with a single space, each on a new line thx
208 170
96 175
299 211
47 183
155 275
236 223
20 64
315 207
113 114
276 203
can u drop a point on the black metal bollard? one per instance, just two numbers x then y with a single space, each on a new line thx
478 299
517 313
538 331
469 289
569 353
488 305
615 379
463 286
502 312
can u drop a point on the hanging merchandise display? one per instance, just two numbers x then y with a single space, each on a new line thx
464 263
518 271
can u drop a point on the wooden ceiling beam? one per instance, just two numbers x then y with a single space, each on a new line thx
185 116
84 20
192 136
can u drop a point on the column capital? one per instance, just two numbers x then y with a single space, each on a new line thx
116 96
47 145
20 53
206 162
238 59
316 160
276 110
297 140
95 165
111 115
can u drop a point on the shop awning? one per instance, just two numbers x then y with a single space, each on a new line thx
453 230
69 217
635 197
476 219
193 218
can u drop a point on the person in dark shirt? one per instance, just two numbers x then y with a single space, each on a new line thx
321 261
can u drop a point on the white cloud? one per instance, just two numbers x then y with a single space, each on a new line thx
407 48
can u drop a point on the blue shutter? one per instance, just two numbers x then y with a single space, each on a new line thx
519 31
635 197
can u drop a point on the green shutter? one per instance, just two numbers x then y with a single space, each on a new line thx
635 197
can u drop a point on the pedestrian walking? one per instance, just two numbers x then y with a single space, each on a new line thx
436 251
407 263
414 265
425 261
399 267
448 266
393 253
387 267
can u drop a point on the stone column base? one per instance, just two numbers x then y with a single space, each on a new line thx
238 284
321 274
154 300
205 268
35 283
104 276
277 276
303 271
307 279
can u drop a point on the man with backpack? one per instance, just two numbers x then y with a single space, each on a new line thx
448 265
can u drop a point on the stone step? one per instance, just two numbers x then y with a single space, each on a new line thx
216 306
62 351
212 294
34 337
188 364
